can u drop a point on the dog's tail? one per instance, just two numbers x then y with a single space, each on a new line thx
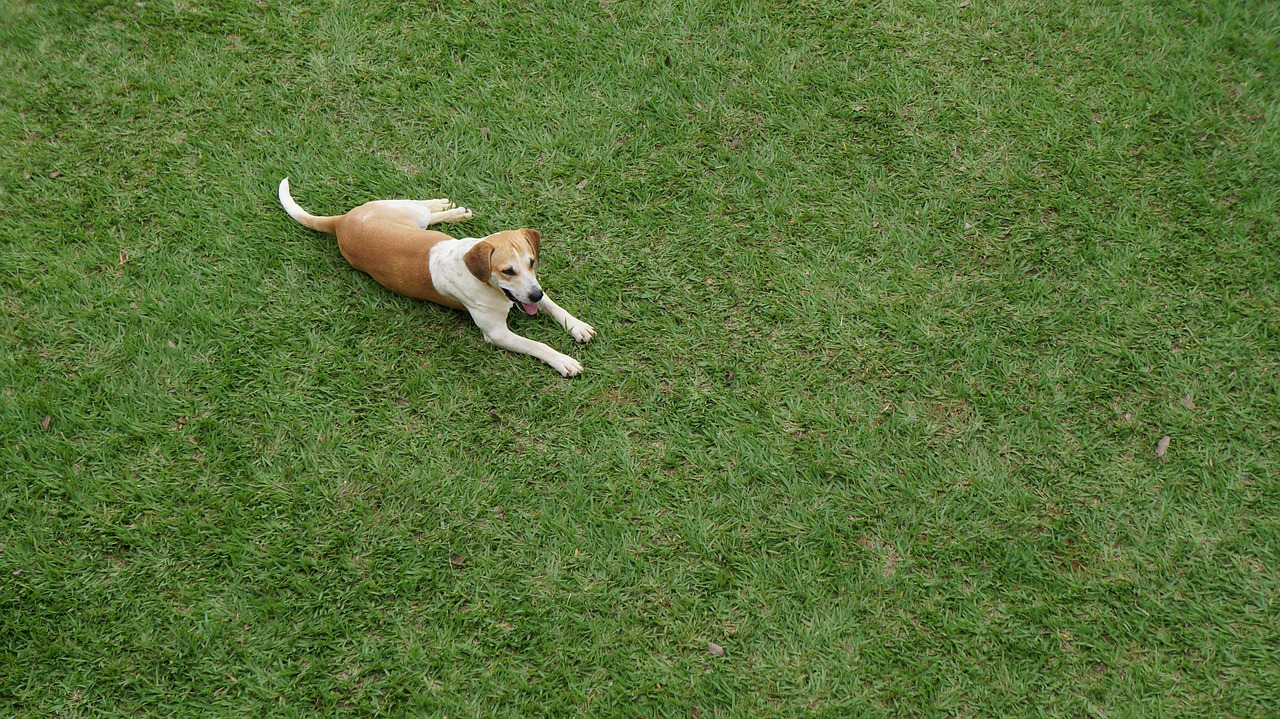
323 224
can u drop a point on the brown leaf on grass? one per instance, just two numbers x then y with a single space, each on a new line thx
584 182
1162 446
402 400
965 3
484 132
891 560
55 174
1128 418
715 649
458 561
1188 402
737 142
44 423
182 421
172 346
123 258
693 711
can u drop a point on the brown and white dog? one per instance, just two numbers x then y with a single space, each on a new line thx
388 240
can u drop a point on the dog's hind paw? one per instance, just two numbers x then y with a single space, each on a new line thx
456 214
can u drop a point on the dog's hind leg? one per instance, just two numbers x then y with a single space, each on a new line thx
423 213
456 214
439 205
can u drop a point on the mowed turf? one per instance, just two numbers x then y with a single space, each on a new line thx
896 301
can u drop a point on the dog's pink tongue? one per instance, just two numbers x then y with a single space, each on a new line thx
530 309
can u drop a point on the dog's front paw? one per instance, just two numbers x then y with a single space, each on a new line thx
565 365
582 331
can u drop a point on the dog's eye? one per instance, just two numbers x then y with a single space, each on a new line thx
509 272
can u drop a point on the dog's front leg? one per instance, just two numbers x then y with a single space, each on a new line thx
580 330
496 332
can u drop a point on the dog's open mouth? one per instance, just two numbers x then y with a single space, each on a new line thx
529 308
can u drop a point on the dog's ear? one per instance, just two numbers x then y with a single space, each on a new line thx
477 260
534 237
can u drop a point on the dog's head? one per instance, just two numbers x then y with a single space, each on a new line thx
508 261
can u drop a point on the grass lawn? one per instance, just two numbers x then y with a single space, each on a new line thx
896 301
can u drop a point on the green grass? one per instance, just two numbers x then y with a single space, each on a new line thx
895 300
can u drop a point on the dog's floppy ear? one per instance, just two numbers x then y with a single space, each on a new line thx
534 237
477 260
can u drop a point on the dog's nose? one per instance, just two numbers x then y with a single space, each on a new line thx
536 295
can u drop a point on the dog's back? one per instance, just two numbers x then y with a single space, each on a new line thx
380 238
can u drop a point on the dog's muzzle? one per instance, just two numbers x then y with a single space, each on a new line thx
530 308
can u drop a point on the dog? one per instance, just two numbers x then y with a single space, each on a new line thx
389 240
